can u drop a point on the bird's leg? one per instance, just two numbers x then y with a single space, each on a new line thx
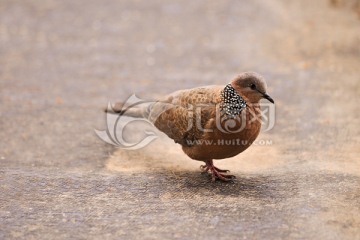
221 170
215 172
206 168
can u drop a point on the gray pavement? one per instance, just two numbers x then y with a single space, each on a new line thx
62 61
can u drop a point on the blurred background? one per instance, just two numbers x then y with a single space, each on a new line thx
62 61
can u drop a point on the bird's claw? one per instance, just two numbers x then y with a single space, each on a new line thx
222 177
221 170
217 173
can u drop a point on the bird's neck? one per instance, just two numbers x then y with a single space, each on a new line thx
232 103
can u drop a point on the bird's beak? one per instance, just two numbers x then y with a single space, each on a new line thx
268 98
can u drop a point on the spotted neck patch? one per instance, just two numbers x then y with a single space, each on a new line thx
231 102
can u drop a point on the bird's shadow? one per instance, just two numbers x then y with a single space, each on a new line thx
254 186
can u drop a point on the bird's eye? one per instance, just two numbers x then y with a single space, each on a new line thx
252 86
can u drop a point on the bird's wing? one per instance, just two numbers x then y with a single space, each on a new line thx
196 96
183 115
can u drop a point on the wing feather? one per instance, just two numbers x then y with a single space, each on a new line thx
184 114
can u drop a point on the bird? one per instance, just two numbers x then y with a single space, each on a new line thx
211 122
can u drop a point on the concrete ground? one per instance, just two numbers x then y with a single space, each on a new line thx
62 61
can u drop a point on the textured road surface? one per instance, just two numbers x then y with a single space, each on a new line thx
62 61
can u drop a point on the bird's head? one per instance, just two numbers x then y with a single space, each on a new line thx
251 86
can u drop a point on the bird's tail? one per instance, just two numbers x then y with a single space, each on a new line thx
136 111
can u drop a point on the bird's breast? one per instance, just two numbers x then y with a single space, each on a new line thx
226 137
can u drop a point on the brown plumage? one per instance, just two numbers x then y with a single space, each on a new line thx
202 119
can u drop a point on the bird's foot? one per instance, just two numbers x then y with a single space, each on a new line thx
206 168
216 173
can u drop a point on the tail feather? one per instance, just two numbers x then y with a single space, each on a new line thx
137 111
116 108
